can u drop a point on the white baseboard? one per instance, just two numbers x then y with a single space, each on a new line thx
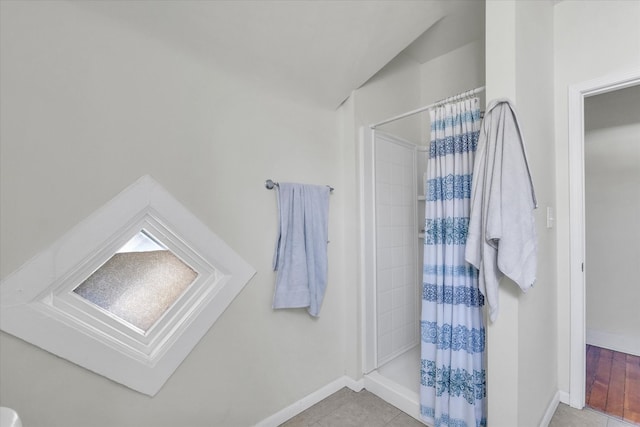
401 397
355 385
310 400
614 342
551 409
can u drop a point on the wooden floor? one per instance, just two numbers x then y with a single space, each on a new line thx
613 383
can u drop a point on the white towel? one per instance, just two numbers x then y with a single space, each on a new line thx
301 248
502 235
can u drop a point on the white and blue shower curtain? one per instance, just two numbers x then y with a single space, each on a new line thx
453 379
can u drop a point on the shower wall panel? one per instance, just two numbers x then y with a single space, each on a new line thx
396 247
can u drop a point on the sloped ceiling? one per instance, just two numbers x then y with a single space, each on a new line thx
462 23
317 51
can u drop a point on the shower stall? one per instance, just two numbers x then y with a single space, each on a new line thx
392 239
393 205
392 161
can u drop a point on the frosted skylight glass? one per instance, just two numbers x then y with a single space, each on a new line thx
139 283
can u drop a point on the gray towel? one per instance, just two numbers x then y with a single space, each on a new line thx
300 257
502 239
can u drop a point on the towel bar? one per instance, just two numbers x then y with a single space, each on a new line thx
269 184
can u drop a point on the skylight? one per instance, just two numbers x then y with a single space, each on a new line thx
139 282
129 291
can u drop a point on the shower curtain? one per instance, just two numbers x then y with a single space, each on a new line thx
453 380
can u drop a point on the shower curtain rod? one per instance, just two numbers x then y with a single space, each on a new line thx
457 97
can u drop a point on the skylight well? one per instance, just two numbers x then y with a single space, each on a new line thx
128 292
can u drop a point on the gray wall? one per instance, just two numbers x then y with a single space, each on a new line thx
591 39
87 108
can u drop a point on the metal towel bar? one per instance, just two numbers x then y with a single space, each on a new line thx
269 184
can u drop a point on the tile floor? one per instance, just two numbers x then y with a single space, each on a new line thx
347 408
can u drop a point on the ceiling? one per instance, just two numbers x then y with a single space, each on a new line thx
315 50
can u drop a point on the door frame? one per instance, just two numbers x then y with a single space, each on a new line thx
576 95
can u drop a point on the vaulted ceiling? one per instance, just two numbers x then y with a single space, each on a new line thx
318 50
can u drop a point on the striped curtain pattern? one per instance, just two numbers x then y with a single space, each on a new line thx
453 378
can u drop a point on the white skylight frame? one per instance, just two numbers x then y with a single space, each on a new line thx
60 301
37 303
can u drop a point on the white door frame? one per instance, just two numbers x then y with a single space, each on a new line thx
577 93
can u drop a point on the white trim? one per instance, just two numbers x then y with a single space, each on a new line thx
551 409
308 401
564 397
576 95
368 250
59 301
394 394
577 251
28 296
401 397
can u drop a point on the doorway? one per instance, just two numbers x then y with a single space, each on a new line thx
578 268
612 207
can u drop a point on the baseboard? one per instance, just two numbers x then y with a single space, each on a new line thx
551 409
401 397
564 397
613 342
355 385
310 400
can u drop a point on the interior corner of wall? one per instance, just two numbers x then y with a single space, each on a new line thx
500 49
